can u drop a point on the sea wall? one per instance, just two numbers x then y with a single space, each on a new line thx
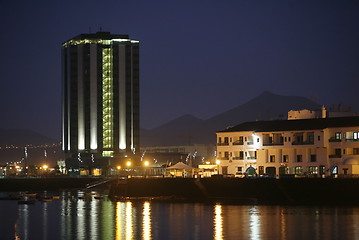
243 190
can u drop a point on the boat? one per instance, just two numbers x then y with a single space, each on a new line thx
46 199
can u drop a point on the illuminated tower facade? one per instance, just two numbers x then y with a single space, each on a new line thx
100 99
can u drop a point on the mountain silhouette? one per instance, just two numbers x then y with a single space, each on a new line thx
188 129
22 137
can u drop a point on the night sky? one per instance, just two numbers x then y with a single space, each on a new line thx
198 57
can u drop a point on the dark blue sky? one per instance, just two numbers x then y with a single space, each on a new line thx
199 57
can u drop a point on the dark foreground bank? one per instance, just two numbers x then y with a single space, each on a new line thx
293 191
302 191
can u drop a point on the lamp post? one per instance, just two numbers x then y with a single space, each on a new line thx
145 164
45 167
128 164
218 162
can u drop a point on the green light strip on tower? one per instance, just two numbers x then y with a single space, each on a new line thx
107 98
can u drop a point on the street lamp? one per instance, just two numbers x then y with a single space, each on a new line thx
118 171
145 164
218 162
128 164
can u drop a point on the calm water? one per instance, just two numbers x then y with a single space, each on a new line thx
89 218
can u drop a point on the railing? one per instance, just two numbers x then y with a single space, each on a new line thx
223 144
334 140
250 143
238 158
335 156
351 140
251 158
273 144
238 143
303 143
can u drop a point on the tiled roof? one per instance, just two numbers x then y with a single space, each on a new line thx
295 125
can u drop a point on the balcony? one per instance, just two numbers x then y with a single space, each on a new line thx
251 158
273 144
238 143
250 143
237 158
351 140
335 156
223 144
303 143
334 140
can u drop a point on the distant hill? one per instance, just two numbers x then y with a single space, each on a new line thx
188 129
22 137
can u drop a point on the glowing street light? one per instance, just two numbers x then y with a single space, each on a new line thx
128 164
146 163
118 167
45 167
218 162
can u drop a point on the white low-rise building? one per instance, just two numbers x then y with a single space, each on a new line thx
319 146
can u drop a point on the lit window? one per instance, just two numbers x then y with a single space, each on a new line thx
298 170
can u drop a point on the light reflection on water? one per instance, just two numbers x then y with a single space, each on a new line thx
89 218
218 222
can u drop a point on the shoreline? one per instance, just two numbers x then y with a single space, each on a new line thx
255 191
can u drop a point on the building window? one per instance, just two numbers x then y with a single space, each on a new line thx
241 155
355 151
285 158
356 135
219 140
313 158
257 139
288 139
298 170
285 139
321 169
318 138
271 158
261 170
313 170
226 140
239 170
299 158
334 170
338 151
338 135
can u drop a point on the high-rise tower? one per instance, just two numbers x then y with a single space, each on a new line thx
100 99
